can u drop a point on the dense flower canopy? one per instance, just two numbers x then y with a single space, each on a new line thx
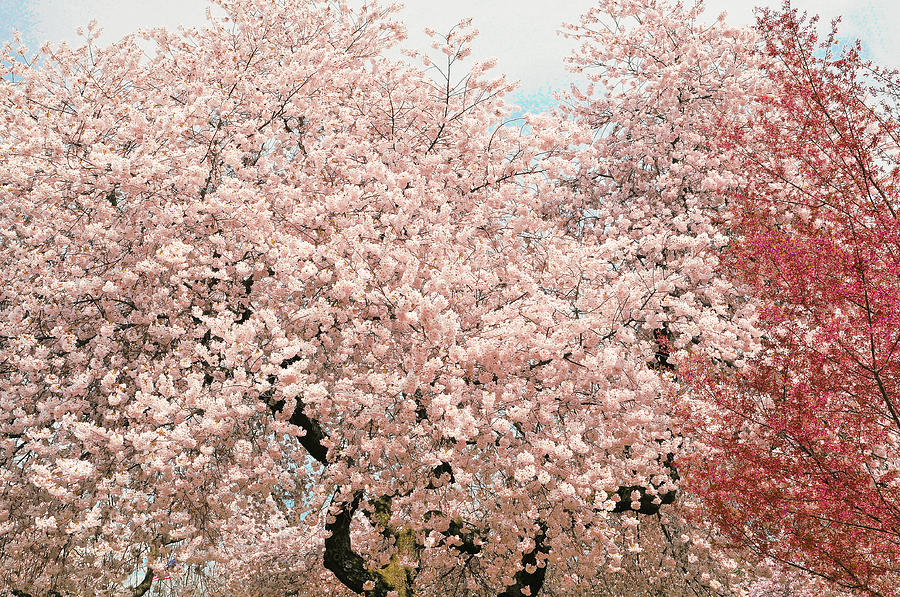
286 315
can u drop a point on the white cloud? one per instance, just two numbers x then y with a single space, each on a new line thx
58 19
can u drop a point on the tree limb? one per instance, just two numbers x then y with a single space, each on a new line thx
533 580
145 584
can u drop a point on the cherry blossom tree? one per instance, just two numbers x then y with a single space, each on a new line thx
269 288
306 319
248 272
801 456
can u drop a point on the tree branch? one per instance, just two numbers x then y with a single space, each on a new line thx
347 565
534 579
145 584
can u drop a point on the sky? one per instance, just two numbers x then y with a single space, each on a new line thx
522 34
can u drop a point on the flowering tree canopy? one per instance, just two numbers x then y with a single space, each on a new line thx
303 318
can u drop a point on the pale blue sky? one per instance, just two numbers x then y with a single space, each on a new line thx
520 33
